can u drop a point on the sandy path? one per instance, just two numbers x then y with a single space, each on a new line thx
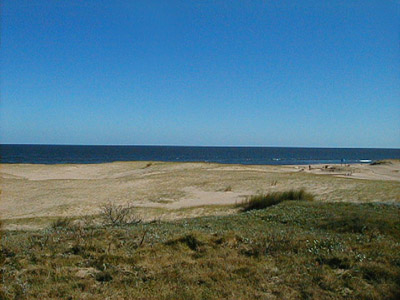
196 197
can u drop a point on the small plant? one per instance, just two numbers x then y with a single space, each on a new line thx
103 276
228 189
61 223
76 249
190 240
114 214
38 241
265 200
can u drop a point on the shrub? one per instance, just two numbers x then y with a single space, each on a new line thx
103 276
61 223
266 200
114 214
190 240
228 189
148 165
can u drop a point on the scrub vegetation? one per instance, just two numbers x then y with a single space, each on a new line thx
292 250
265 200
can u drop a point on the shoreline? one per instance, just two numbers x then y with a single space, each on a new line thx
196 161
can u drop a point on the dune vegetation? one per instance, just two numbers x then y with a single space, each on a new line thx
292 250
265 200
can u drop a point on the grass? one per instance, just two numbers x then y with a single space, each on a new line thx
265 200
295 250
61 223
228 189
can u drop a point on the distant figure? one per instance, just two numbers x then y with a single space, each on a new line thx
309 167
342 161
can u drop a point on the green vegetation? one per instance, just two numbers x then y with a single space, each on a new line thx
294 250
265 200
61 223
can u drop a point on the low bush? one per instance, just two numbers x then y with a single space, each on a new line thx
190 240
103 276
266 200
228 189
114 214
61 223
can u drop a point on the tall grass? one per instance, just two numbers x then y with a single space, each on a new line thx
266 200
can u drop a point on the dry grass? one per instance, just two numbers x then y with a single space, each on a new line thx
295 250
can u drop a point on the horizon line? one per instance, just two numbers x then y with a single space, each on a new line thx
198 146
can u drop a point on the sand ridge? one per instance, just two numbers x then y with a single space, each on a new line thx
30 190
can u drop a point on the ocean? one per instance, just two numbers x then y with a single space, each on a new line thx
63 154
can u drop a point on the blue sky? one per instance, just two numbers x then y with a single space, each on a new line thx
262 73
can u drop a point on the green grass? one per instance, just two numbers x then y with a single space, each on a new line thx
295 250
265 200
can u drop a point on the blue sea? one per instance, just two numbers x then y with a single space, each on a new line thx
63 154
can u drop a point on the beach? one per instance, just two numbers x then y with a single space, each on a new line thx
33 194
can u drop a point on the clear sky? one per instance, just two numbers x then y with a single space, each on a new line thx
262 73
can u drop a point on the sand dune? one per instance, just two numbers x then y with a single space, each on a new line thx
76 190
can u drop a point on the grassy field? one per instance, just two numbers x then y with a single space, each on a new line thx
292 250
